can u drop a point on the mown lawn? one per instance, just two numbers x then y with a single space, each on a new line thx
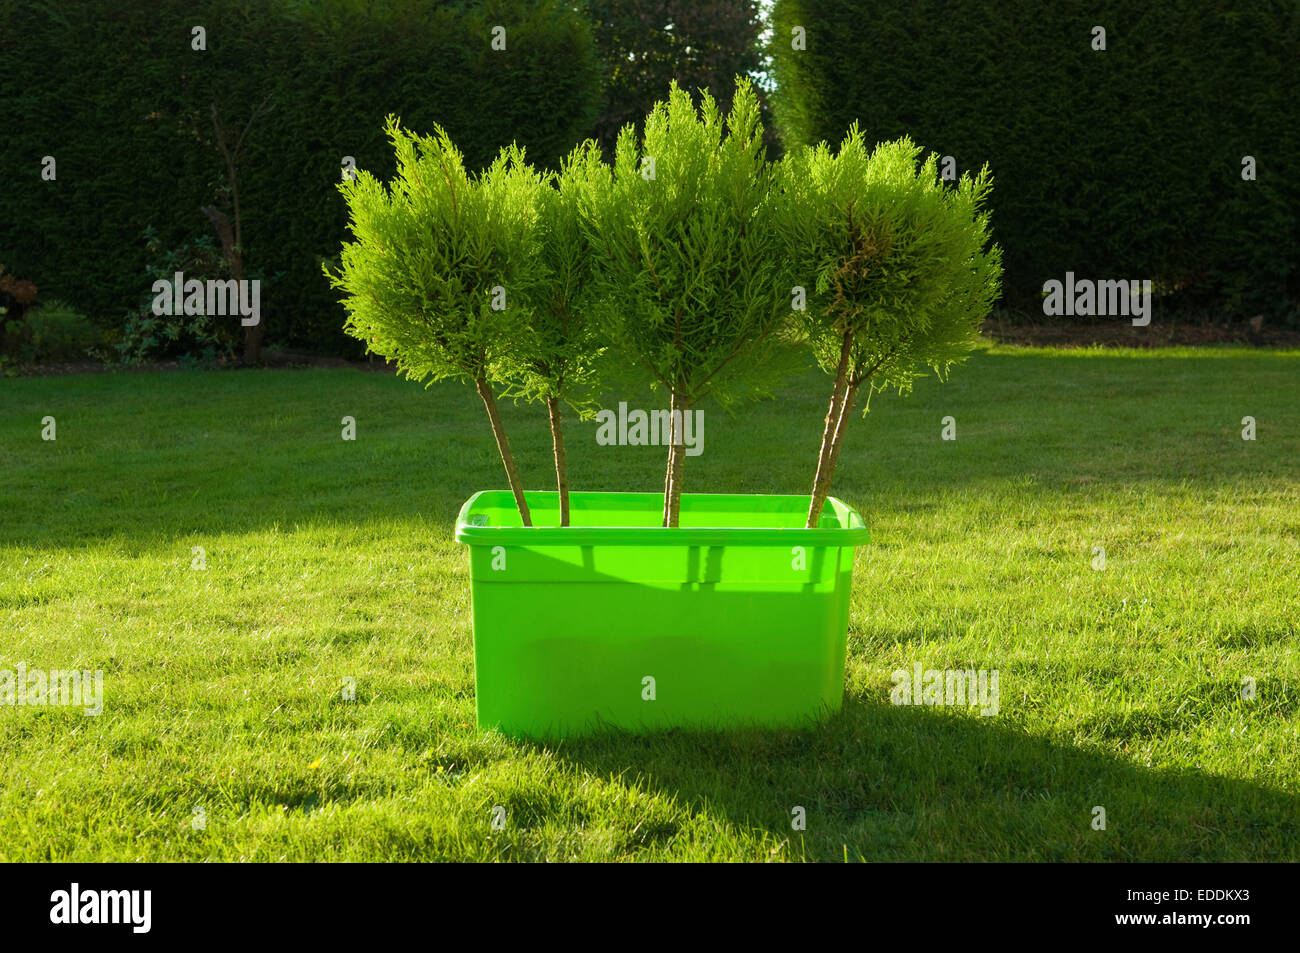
330 560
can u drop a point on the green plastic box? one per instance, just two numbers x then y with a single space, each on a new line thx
738 616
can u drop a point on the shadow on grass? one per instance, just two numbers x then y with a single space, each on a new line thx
880 782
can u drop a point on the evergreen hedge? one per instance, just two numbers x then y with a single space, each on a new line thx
116 93
1122 163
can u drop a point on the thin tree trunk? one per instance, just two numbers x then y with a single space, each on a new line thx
231 250
668 463
837 444
822 481
676 456
561 468
668 479
503 445
233 245
253 335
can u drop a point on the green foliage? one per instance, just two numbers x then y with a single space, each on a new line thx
116 93
433 251
1122 163
895 260
558 356
198 339
688 272
56 331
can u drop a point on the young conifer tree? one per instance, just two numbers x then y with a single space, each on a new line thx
902 267
687 268
555 360
440 269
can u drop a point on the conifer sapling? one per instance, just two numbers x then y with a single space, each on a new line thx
438 271
902 266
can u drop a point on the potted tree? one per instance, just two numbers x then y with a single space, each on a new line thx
901 268
687 259
687 609
438 261
555 356
697 609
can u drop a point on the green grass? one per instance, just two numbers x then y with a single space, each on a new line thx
329 560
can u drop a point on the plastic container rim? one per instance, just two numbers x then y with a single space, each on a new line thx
852 531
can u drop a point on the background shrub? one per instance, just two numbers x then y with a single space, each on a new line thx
198 339
59 332
51 332
1122 163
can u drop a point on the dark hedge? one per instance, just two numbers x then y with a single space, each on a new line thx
1122 163
115 92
